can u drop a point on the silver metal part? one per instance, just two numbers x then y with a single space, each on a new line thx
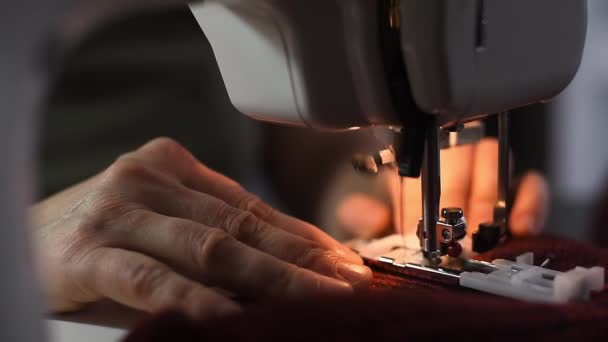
546 262
501 212
490 234
372 163
435 236
451 267
435 270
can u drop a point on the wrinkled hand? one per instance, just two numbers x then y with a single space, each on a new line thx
469 179
158 229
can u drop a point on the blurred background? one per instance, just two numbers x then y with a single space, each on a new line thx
578 164
151 74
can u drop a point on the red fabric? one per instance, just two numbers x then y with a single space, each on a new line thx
400 307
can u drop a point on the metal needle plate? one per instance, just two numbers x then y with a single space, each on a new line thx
450 267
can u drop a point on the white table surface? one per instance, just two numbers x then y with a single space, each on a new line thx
103 322
60 331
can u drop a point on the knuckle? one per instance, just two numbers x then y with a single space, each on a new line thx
146 279
77 243
163 144
84 229
105 204
90 222
166 148
126 222
129 156
242 224
206 247
136 172
111 209
255 205
127 169
215 212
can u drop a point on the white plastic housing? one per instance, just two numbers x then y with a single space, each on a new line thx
524 281
309 63
327 63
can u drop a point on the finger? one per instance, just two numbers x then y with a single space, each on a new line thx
408 208
218 259
531 205
145 284
484 187
240 198
455 186
249 229
173 157
363 216
456 169
390 184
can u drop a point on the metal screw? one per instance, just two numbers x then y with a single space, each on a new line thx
452 215
547 261
435 258
447 235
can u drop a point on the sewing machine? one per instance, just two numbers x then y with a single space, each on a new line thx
421 68
427 70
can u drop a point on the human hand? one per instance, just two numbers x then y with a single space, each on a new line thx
469 180
158 229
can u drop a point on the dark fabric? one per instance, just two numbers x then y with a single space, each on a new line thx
600 233
400 307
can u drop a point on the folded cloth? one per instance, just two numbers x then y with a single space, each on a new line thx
400 307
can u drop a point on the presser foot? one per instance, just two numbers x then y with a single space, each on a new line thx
520 279
447 235
404 252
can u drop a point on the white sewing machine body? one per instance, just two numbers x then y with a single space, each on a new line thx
332 64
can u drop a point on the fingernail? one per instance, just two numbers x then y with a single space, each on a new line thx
335 287
359 276
307 283
349 254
